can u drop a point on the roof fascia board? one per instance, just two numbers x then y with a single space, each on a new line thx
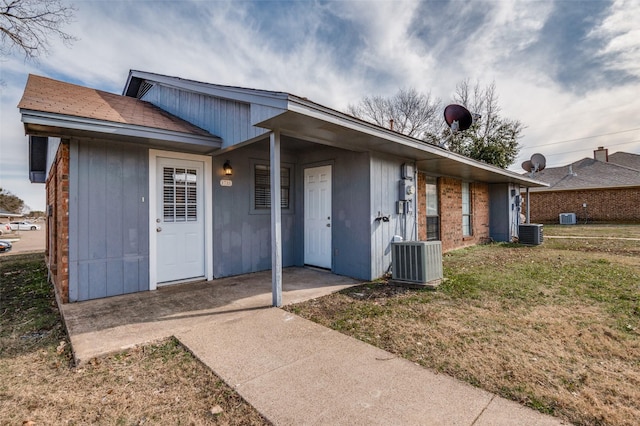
239 94
588 188
112 128
311 109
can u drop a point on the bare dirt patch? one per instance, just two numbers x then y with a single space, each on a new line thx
555 328
154 384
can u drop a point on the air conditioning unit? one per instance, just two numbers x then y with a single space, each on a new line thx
530 233
417 263
567 218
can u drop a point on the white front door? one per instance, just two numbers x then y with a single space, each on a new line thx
317 216
179 220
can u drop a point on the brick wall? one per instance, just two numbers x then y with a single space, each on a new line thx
57 254
450 207
603 205
480 200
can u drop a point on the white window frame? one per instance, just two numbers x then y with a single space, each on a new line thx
467 209
267 210
432 181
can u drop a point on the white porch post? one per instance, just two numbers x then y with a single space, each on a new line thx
276 224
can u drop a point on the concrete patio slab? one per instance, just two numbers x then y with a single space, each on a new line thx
103 326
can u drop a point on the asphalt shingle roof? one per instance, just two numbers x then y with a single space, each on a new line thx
589 173
625 159
48 95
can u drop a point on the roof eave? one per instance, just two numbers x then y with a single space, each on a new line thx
52 120
385 136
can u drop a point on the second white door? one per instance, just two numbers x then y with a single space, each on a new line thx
317 216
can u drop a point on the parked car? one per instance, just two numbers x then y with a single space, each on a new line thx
5 246
24 226
5 228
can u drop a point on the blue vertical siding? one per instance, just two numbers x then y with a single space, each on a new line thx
385 191
108 219
350 219
501 211
232 121
242 237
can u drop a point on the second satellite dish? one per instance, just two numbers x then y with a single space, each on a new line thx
538 162
457 117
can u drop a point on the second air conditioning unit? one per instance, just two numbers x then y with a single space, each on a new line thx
567 218
417 262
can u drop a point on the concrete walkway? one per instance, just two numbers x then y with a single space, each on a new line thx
291 370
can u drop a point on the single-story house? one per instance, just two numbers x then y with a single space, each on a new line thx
605 188
178 180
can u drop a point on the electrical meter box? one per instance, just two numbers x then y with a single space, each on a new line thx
407 189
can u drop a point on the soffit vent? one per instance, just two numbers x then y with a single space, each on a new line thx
144 88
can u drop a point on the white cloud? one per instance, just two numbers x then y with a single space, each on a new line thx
621 30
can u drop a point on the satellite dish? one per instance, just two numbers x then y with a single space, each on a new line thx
538 162
457 117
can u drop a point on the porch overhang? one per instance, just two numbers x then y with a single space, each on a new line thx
39 123
308 121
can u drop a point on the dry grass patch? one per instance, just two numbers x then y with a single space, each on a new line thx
557 329
155 384
594 230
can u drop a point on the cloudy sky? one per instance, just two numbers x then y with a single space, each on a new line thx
569 70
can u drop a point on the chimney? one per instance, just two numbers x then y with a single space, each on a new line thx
601 154
391 124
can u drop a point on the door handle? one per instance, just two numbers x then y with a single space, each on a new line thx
158 229
328 225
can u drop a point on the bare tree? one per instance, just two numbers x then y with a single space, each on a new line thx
408 112
491 138
25 25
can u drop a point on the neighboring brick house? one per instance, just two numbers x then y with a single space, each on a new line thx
177 180
605 188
